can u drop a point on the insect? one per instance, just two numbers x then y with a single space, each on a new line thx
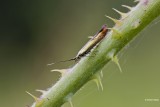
94 41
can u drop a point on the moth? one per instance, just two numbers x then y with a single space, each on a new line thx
93 42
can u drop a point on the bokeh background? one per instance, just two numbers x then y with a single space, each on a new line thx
34 33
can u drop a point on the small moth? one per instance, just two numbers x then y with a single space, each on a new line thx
94 41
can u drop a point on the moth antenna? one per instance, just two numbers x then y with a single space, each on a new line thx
62 61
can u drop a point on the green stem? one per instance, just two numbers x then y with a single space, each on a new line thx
123 32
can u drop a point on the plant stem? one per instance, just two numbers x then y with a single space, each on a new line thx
123 32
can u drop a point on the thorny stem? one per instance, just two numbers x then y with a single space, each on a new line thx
123 32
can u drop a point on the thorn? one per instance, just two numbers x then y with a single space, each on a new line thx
42 91
101 73
123 15
62 71
34 97
115 60
100 82
70 102
68 98
128 7
118 22
97 80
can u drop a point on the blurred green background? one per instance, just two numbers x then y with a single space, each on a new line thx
34 33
